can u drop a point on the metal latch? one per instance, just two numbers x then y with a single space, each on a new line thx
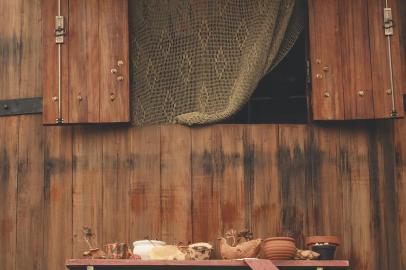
59 29
388 21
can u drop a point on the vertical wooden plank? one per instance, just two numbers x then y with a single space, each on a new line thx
8 190
292 174
114 47
384 201
50 63
84 61
116 180
355 60
327 195
176 184
206 185
30 195
400 169
234 212
400 10
145 183
266 194
357 238
10 48
325 51
87 187
380 63
58 196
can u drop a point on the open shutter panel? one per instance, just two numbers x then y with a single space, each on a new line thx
350 63
94 62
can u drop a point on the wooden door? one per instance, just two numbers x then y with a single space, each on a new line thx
350 61
94 60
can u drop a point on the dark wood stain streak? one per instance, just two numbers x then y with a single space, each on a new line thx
4 167
248 176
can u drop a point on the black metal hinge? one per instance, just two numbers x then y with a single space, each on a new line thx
21 106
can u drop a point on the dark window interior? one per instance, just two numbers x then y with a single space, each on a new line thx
280 96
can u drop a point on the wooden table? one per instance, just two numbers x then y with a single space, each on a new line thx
255 264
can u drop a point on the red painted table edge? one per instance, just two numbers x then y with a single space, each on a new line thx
108 262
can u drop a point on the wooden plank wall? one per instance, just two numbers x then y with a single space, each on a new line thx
182 184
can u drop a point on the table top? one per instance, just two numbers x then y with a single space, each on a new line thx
80 263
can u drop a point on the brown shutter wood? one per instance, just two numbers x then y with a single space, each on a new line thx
96 43
349 60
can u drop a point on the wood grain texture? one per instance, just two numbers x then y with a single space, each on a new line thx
234 181
176 188
355 60
399 12
356 197
114 47
87 187
30 196
57 196
8 190
327 193
266 207
324 32
84 61
206 185
49 75
292 175
380 63
398 49
97 38
116 180
400 172
145 183
349 54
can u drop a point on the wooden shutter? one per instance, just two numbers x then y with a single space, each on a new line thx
349 60
94 62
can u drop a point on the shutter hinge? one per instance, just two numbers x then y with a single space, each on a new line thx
60 31
388 21
308 78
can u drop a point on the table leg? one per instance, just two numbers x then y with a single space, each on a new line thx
90 267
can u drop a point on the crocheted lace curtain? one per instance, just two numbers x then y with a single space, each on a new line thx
199 61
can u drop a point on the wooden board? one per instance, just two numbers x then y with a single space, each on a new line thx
8 190
400 172
355 60
350 62
87 187
84 61
176 199
30 196
239 264
116 144
114 47
95 43
327 97
49 75
58 196
206 186
292 175
266 207
145 183
234 182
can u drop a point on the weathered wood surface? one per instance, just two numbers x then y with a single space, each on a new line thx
350 62
97 38
185 184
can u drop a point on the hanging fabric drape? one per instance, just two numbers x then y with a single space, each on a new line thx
199 61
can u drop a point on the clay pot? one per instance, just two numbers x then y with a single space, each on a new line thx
279 248
324 245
